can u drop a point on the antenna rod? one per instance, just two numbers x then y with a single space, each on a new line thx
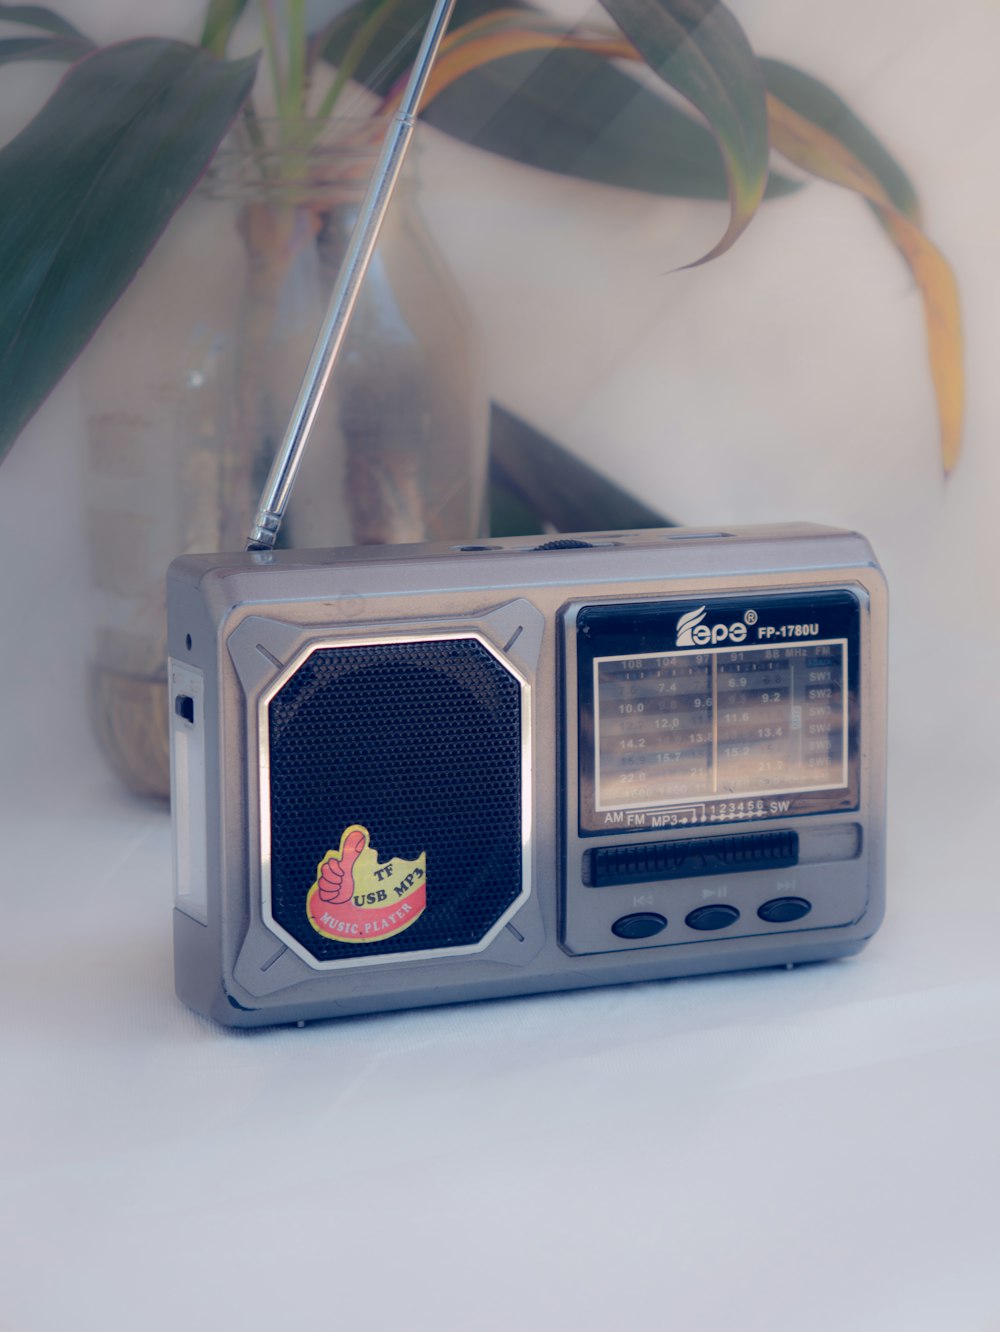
278 487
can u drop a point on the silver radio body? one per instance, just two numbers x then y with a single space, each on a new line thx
418 775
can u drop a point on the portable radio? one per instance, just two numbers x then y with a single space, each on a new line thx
415 775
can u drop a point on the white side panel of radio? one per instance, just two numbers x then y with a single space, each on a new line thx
187 789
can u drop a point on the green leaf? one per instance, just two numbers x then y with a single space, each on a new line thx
570 112
36 16
88 187
220 20
364 34
41 48
576 114
823 152
822 106
698 48
392 51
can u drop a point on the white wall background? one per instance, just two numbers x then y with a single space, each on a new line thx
787 380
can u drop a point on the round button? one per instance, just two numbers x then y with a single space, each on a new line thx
780 910
714 917
640 926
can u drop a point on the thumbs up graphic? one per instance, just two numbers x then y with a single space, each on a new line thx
336 880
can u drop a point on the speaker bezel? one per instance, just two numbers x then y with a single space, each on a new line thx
290 668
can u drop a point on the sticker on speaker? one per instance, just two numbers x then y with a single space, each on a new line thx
357 898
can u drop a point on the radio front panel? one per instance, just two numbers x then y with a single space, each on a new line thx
716 777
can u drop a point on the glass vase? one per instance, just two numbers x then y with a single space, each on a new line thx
192 379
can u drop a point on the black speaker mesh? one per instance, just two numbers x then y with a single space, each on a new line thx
420 743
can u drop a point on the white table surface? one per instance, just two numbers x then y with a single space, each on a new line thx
816 1149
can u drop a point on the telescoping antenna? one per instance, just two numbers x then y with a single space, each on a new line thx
278 486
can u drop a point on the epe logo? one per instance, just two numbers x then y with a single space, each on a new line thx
692 633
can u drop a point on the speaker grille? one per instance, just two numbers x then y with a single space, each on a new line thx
419 743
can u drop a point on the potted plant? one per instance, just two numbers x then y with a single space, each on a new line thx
91 183
147 116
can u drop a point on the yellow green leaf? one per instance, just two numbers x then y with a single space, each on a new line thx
821 153
697 48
